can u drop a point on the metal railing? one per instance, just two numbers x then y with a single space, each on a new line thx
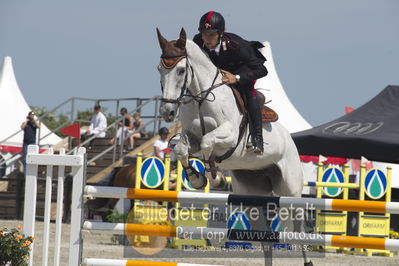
115 124
154 119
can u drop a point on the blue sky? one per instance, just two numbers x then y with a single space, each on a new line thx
328 54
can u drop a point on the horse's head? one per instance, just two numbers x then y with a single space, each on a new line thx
174 71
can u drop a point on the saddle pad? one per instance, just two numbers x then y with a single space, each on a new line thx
268 114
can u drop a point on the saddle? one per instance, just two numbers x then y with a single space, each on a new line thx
268 114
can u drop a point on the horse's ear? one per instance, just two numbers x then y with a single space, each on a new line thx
162 40
181 42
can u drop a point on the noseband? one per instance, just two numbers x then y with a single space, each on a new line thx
170 63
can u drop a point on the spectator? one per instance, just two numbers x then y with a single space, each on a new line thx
138 130
98 125
125 127
30 126
161 145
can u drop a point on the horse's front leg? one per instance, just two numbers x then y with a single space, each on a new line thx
181 150
224 137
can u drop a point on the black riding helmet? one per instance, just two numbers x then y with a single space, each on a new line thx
163 131
211 22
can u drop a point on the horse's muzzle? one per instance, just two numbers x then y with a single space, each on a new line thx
168 111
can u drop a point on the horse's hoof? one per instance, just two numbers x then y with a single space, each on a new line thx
308 263
219 182
258 150
197 181
249 147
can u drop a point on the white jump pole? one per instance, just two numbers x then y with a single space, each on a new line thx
221 199
222 234
110 262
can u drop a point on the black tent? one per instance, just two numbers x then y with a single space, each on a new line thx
371 131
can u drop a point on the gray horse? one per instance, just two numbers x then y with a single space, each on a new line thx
211 122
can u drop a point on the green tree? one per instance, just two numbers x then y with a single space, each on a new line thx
53 121
85 116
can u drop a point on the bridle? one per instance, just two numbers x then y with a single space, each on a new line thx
169 62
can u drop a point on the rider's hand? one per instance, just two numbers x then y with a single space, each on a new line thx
228 78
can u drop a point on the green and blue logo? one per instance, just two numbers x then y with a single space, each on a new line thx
375 183
333 175
239 221
152 172
276 224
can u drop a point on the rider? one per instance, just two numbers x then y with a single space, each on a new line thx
239 61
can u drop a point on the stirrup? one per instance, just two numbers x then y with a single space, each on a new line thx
258 150
249 146
258 147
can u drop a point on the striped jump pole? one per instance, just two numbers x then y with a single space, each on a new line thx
110 262
221 199
222 234
328 184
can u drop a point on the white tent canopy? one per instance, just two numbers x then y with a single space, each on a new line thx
14 109
271 87
288 115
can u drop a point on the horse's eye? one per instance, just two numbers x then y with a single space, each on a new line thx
180 71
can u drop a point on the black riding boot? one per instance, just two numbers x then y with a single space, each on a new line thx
256 121
250 142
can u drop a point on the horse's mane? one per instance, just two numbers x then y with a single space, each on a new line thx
196 53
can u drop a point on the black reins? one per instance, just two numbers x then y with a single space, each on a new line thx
200 97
